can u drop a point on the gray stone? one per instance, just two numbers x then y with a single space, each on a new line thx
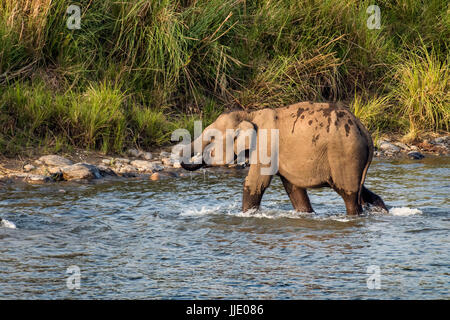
415 155
402 145
126 169
122 160
80 171
37 178
157 166
134 153
54 160
146 155
388 147
164 154
445 140
146 166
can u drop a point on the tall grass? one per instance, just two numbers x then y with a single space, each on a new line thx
137 69
423 90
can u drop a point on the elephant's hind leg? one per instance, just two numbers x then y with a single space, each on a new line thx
351 202
298 196
373 199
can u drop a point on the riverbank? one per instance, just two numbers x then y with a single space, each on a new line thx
157 164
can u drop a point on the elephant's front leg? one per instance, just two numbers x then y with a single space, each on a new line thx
254 186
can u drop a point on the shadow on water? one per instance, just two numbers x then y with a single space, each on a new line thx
187 238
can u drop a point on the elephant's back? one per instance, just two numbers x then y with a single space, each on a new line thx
312 135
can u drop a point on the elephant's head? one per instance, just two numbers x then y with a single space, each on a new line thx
226 140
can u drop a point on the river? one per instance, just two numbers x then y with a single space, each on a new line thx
186 238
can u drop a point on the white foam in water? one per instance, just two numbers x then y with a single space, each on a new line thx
200 212
7 224
272 214
234 210
404 211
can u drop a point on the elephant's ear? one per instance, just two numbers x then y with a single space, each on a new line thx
245 137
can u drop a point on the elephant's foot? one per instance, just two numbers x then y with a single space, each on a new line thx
250 200
299 197
371 198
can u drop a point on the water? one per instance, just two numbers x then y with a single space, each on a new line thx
187 238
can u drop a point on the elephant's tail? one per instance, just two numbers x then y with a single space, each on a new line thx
370 147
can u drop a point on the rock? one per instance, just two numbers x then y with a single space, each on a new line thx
54 170
142 165
146 166
167 161
164 154
415 155
146 155
157 166
154 176
106 171
133 153
28 167
80 171
38 162
107 161
402 146
126 169
37 178
19 175
122 160
177 164
445 140
388 147
54 160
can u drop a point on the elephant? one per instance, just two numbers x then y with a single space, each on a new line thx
319 145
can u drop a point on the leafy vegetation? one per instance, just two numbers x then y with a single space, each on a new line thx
138 69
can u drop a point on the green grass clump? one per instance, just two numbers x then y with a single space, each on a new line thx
138 69
423 91
96 119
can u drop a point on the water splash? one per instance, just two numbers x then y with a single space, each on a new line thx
234 210
404 211
7 224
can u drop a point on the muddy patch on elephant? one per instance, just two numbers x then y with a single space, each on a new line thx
347 129
315 138
299 114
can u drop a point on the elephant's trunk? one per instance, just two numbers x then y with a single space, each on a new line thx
191 166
